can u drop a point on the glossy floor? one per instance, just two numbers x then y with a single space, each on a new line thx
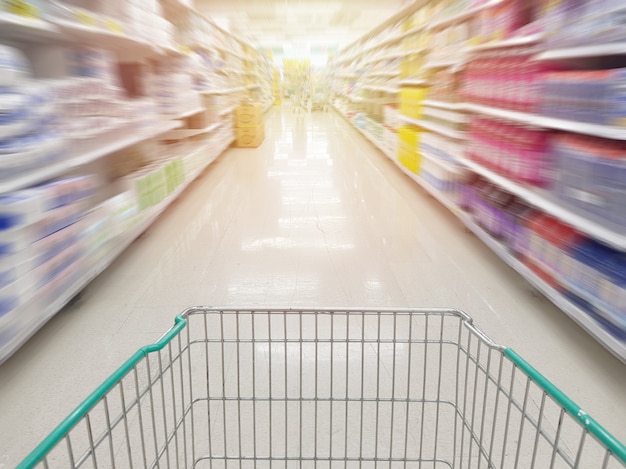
316 216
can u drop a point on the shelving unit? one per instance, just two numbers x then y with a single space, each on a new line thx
433 127
378 43
596 130
142 55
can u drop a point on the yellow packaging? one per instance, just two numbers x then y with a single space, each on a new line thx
250 137
409 138
410 160
249 115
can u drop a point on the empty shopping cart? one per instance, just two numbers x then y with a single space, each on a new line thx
327 388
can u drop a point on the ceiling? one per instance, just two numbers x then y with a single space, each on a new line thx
300 24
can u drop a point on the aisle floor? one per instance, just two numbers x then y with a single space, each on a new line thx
315 217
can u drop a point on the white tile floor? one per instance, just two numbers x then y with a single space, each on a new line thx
316 216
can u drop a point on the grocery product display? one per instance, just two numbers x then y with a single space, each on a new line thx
107 113
512 117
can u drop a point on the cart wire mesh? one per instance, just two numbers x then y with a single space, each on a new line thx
241 388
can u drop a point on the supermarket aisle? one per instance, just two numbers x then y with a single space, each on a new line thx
314 217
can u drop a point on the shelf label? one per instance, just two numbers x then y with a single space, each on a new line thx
86 19
22 8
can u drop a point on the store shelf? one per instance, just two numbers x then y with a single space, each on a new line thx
268 107
119 246
188 113
463 16
614 345
414 82
446 115
604 131
186 133
370 138
114 144
227 110
586 51
391 73
444 105
543 200
78 33
223 90
506 43
454 62
437 128
26 29
386 89
442 162
390 56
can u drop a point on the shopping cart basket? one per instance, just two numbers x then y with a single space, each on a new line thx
328 388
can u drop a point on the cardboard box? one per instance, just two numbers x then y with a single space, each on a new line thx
249 115
250 137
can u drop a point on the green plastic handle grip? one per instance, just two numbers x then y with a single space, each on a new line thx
40 452
592 426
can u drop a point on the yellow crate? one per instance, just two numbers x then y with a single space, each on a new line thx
249 115
250 137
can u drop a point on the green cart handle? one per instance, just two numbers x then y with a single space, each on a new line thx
616 448
592 426
40 452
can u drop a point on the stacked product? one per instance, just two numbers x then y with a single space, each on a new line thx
507 18
446 119
515 151
41 238
507 79
592 176
595 96
172 87
409 155
445 86
29 138
583 22
140 19
249 121
391 119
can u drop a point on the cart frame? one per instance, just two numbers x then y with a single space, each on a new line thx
495 410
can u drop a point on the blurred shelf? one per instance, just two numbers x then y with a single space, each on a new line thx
611 343
463 15
72 31
543 200
268 107
414 82
511 42
389 56
449 165
433 127
186 133
386 89
120 244
584 320
389 73
227 110
114 143
444 105
26 29
223 90
191 112
597 130
454 62
597 50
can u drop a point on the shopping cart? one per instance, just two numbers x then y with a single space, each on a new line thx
327 388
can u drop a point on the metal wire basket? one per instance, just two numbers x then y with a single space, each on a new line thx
327 388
